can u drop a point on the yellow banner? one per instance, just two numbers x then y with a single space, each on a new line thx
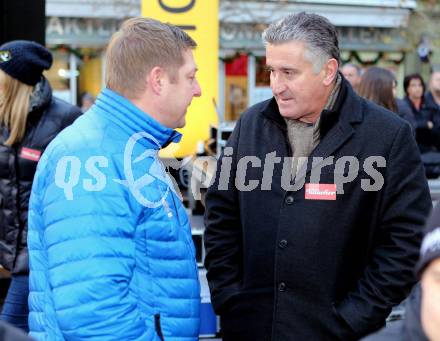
199 18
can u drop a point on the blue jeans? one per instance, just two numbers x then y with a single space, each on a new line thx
15 308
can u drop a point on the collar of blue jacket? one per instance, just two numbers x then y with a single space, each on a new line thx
125 114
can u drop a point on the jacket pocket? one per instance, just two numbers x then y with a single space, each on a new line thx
158 327
341 328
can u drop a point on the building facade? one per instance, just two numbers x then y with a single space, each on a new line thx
372 32
77 32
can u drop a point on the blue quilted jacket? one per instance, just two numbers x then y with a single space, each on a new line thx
110 248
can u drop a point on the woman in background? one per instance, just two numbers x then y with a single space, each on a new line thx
414 87
380 86
377 85
29 119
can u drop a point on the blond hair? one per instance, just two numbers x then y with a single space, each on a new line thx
140 45
14 107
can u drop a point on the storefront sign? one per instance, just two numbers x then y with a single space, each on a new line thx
80 31
248 36
199 18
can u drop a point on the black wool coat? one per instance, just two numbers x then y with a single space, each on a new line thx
47 117
283 267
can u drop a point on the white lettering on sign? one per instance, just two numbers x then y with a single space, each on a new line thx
81 26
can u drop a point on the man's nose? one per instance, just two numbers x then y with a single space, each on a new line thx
197 90
277 85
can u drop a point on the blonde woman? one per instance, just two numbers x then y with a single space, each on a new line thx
29 119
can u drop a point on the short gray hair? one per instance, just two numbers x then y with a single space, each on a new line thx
318 34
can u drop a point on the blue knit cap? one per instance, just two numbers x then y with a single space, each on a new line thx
24 60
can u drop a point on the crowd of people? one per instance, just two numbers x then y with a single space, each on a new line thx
99 244
420 106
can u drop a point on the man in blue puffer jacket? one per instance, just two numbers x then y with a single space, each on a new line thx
110 247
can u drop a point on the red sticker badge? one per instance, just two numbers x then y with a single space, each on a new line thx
320 192
30 154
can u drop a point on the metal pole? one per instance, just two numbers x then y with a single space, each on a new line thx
73 78
251 79
221 91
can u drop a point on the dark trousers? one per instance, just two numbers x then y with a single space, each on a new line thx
15 308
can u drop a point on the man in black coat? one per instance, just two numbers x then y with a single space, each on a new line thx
324 256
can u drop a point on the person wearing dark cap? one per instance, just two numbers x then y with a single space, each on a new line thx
422 313
30 117
429 272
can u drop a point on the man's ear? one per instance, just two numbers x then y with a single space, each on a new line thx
330 70
155 79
